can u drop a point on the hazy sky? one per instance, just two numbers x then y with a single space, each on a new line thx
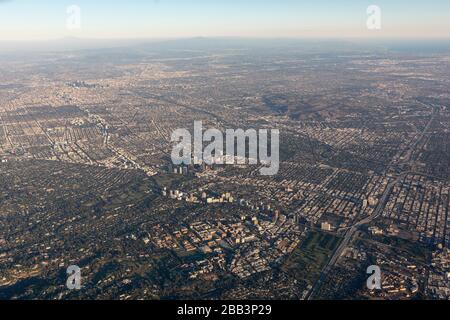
46 19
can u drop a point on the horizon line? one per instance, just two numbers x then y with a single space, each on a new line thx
420 38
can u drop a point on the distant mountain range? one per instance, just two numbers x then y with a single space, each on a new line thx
201 43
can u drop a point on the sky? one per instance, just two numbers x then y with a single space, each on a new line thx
132 19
